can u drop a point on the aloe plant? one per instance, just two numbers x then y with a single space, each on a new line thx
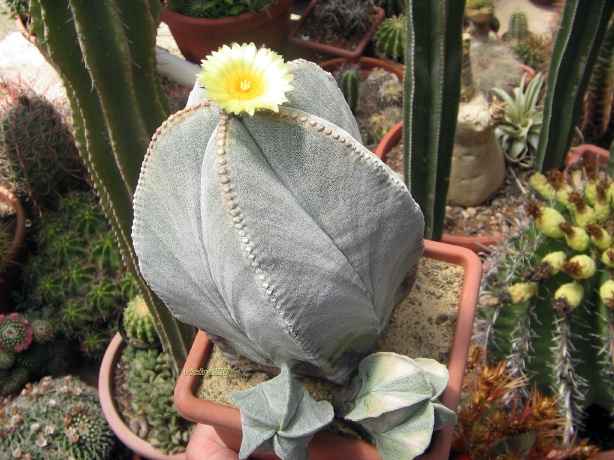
106 59
432 95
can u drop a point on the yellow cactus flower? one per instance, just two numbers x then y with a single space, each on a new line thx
599 237
575 237
607 257
547 220
555 260
580 267
606 292
542 185
521 292
244 78
569 295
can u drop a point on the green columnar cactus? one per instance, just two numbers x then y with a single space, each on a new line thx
390 37
434 58
40 161
551 315
106 58
577 44
349 86
275 194
55 419
518 28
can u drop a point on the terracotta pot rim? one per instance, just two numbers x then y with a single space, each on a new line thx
294 38
366 63
228 419
107 402
11 200
247 20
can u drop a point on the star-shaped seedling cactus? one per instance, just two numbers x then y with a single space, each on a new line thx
279 416
394 398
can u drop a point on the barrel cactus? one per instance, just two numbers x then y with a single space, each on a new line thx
550 295
138 323
390 37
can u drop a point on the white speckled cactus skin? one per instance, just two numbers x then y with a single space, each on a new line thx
279 235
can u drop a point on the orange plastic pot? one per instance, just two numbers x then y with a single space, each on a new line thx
197 37
316 51
476 244
226 420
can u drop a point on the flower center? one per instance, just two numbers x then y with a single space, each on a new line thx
245 87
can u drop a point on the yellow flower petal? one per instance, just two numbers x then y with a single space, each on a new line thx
244 78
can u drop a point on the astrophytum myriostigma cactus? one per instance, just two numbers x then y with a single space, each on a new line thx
278 234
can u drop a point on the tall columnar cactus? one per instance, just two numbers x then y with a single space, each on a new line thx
551 313
106 58
576 47
434 60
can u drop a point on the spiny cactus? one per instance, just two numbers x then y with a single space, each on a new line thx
349 18
55 419
75 276
40 160
6 239
138 323
518 27
552 315
150 382
24 350
390 37
349 86
527 45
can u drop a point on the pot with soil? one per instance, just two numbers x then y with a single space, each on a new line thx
373 89
333 29
442 334
12 249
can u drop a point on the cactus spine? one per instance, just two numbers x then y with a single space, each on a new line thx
577 44
431 104
554 322
349 83
106 57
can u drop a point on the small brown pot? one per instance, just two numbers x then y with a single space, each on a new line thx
10 275
316 51
106 379
197 37
326 446
474 243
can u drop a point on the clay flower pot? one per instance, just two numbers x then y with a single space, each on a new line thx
197 37
316 51
327 446
106 379
474 243
10 274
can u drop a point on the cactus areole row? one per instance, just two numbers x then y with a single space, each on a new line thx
277 233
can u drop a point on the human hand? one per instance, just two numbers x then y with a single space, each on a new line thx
205 444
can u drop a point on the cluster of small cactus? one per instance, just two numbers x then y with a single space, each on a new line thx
390 37
24 350
527 45
376 100
497 421
77 277
150 381
40 161
55 419
348 18
138 323
550 293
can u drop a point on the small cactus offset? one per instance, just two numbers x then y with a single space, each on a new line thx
55 419
390 37
138 323
550 288
518 28
349 86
